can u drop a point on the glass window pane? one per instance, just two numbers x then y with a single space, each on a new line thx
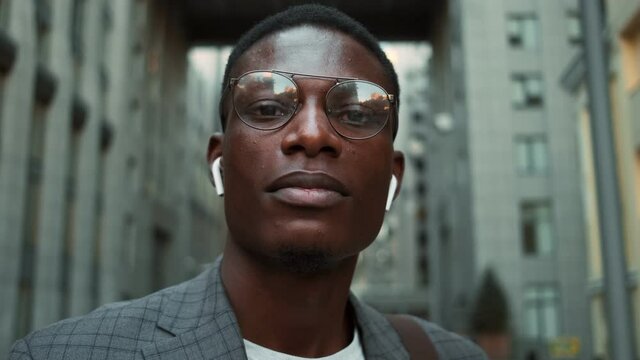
543 229
545 242
541 312
574 29
531 328
522 31
534 86
514 32
513 27
527 89
531 155
528 229
550 320
530 30
518 92
539 156
536 228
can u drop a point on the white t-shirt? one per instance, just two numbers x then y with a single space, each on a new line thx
351 352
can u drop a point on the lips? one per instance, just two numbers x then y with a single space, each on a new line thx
308 189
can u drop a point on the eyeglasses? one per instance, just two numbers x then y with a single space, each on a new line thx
267 100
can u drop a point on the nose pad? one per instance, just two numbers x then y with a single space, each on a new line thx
309 131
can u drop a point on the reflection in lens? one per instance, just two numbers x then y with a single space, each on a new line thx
357 109
265 100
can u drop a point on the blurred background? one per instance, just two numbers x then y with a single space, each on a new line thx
106 107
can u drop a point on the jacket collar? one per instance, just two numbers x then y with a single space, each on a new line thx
199 315
378 338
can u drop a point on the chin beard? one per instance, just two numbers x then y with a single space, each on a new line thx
305 261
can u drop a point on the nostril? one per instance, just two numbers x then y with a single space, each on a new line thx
294 148
329 149
311 143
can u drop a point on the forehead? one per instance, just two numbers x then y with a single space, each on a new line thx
313 50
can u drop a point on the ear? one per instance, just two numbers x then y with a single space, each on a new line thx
398 170
214 150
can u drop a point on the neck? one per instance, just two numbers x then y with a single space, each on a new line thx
300 314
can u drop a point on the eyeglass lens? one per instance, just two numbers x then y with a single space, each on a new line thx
267 100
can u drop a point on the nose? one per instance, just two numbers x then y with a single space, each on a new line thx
310 132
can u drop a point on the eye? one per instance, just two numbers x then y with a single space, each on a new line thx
267 109
354 116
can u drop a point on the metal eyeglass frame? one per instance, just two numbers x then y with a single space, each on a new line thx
339 80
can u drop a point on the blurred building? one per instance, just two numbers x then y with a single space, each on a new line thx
392 273
623 37
503 170
103 177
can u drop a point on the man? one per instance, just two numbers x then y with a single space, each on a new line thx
306 165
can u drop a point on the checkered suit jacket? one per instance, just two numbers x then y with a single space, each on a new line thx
194 320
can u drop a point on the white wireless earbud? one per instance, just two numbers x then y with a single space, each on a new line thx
392 191
217 176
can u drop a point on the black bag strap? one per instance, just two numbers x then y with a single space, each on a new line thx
415 340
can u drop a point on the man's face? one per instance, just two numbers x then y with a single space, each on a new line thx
303 190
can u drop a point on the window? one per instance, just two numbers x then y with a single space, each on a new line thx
541 312
536 229
527 90
574 28
522 31
531 155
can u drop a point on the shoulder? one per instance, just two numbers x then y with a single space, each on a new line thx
113 330
450 346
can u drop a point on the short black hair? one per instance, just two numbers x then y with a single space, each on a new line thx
311 14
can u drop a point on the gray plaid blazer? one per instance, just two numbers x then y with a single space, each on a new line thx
194 320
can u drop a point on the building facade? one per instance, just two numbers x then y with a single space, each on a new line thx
103 174
623 38
502 183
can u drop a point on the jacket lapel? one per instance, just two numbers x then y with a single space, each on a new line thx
198 314
379 339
